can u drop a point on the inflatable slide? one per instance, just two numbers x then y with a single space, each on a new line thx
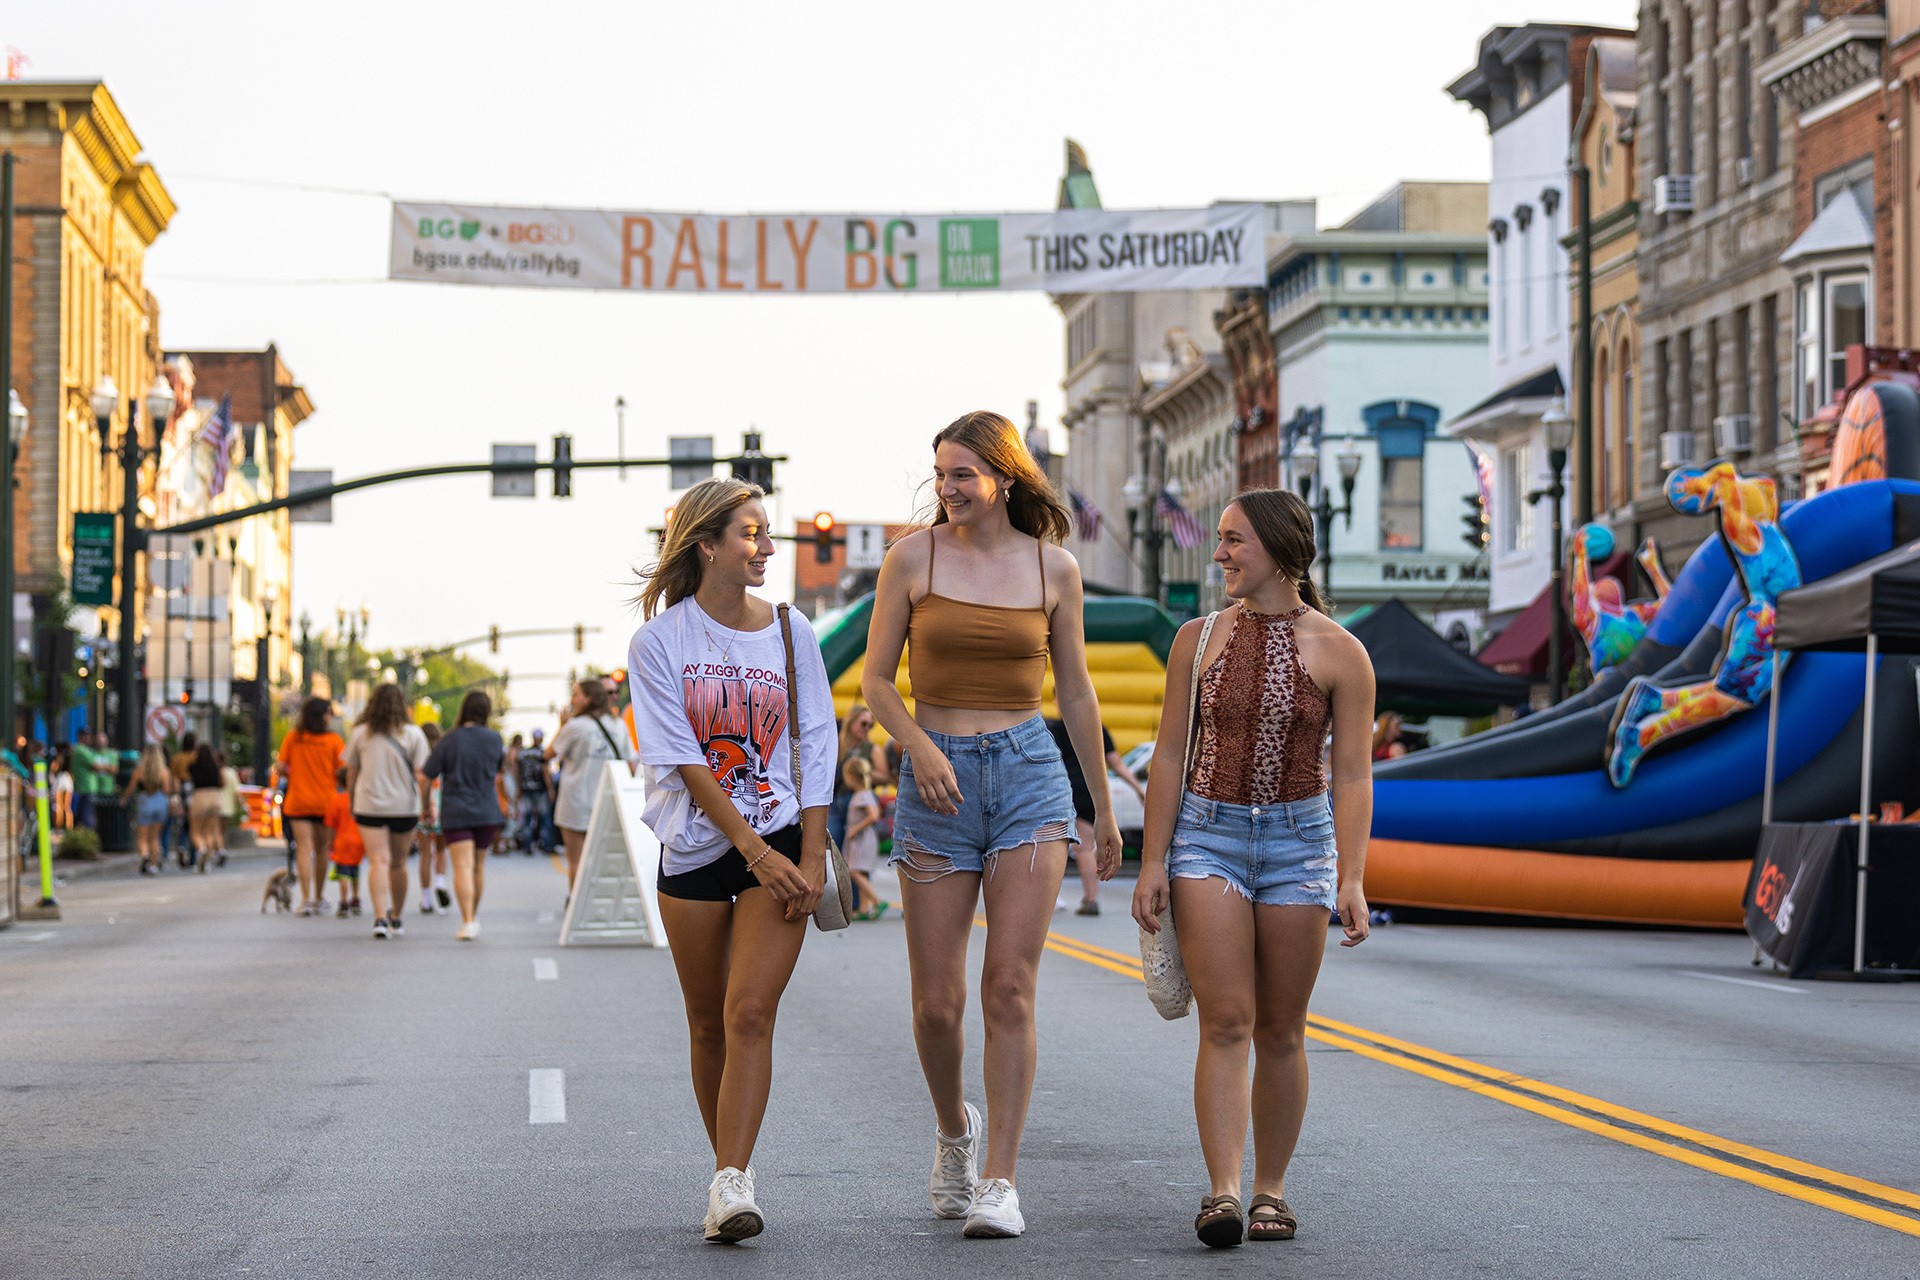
1527 820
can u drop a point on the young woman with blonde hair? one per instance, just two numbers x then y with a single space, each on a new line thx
152 784
743 839
592 737
982 600
1256 846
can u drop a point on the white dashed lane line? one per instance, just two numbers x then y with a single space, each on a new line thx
546 1096
545 970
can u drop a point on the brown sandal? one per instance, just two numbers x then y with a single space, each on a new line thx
1220 1225
1269 1218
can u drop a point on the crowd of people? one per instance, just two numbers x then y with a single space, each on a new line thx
362 804
1250 841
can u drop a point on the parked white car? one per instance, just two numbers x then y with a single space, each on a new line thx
1128 812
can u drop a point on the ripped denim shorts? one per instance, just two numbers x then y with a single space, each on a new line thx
1280 855
1013 791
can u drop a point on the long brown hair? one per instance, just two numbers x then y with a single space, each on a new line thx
1282 522
702 515
599 701
314 714
386 709
475 708
1032 505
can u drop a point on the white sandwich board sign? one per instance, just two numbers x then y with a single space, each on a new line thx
614 899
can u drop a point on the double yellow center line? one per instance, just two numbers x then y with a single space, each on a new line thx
1874 1202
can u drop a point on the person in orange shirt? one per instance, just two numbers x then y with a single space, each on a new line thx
309 765
348 852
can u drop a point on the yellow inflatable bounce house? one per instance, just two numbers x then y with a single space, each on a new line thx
1128 639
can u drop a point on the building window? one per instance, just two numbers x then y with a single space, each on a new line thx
1629 425
1832 314
1856 178
1504 302
1401 428
1515 517
1606 466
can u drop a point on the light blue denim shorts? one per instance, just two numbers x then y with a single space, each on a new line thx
1013 791
1280 855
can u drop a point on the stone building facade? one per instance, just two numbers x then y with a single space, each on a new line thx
1715 150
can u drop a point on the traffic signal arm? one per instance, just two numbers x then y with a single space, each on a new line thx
323 492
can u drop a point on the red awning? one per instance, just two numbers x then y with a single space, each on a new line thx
1521 650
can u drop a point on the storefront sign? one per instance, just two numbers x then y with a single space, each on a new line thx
1391 571
93 541
1067 251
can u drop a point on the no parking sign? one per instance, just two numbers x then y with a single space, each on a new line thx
165 721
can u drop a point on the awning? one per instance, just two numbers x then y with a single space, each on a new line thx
1525 398
1521 650
1419 674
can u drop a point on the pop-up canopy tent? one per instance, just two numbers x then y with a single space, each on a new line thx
1416 673
1874 608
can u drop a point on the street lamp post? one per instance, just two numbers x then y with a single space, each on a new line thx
16 432
1559 429
1143 526
1306 468
159 405
262 692
306 654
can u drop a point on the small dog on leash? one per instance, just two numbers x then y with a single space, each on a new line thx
279 891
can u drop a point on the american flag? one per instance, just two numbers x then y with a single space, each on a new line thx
1180 522
1085 515
218 432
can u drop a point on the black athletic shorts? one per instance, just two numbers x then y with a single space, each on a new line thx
727 877
399 826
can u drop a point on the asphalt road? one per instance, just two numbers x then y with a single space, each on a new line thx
191 1088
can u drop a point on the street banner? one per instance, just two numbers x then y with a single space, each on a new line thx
1066 251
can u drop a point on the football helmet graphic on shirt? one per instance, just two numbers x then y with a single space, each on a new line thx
734 767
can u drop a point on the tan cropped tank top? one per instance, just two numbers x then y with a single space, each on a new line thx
984 657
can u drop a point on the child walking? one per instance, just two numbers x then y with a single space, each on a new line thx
349 850
863 836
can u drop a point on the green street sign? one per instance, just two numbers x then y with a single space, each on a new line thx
93 542
1183 599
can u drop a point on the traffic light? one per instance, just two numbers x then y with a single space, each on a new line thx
1474 522
563 466
493 639
751 466
579 638
823 538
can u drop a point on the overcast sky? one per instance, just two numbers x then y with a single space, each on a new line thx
753 107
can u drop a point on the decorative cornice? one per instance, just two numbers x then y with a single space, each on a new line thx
1829 60
87 113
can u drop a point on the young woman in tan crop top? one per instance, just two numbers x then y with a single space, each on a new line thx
980 601
1255 852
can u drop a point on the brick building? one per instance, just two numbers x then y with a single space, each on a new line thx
1900 251
87 208
266 404
1830 90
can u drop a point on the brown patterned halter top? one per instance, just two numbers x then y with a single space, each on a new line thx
1263 720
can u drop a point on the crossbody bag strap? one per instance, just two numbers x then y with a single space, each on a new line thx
601 725
1193 699
793 697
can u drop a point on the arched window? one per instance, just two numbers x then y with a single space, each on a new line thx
1605 487
1629 415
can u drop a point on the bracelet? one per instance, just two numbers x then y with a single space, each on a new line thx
762 858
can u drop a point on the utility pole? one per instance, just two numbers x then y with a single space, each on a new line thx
7 443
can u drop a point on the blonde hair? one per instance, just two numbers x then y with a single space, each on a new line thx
1032 505
152 770
861 771
854 712
701 515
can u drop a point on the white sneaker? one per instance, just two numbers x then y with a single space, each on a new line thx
956 1167
732 1216
468 931
995 1211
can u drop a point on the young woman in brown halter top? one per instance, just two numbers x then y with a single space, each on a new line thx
980 600
1250 848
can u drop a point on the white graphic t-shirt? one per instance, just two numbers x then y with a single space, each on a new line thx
706 694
